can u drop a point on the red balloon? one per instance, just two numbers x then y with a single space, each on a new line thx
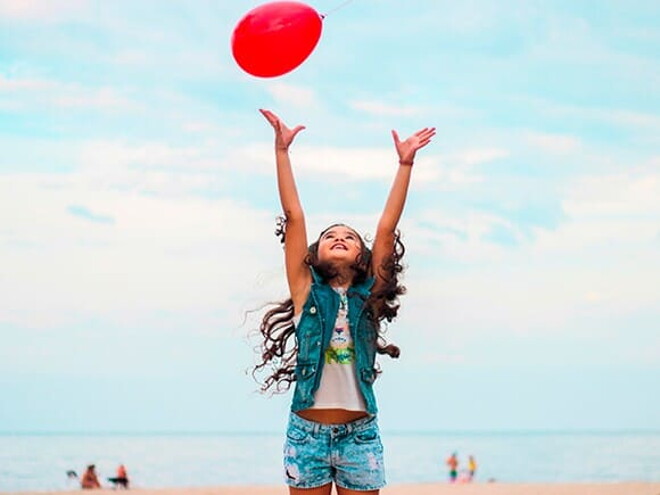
275 38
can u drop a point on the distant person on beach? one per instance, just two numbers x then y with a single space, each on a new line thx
121 478
89 480
472 467
452 463
325 337
72 477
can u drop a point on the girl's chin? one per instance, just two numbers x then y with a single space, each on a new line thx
339 259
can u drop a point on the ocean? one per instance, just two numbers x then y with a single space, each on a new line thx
40 461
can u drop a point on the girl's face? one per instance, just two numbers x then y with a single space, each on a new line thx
339 244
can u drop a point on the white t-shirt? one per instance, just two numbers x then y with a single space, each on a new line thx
339 387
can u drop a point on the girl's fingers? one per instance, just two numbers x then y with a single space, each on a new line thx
424 134
271 118
298 128
426 129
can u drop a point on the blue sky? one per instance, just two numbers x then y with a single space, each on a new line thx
138 204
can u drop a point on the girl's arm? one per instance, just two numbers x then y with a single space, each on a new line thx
295 239
383 245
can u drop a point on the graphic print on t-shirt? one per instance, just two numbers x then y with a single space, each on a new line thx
341 349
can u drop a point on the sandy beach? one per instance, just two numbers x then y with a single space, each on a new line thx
627 488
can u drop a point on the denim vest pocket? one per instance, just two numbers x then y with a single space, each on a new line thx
368 375
305 371
309 333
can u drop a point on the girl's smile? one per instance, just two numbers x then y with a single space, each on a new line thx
339 243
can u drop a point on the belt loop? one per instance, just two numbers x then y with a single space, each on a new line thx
317 427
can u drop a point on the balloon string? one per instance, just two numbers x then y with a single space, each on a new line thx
340 6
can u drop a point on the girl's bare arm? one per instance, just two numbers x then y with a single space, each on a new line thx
295 240
383 245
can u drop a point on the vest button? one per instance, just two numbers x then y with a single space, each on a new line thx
312 310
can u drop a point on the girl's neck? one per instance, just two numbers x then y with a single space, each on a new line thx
343 279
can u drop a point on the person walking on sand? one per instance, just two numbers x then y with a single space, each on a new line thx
90 480
452 462
325 337
472 467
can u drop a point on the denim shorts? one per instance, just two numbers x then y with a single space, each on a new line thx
350 454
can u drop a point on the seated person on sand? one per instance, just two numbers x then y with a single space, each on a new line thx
89 480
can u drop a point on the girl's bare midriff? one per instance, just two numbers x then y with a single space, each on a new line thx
331 416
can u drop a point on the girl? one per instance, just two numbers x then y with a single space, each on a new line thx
340 293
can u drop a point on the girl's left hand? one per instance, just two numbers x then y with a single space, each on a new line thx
407 149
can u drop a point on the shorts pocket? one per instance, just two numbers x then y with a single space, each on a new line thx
296 436
367 436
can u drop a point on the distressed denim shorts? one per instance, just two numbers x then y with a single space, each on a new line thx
350 454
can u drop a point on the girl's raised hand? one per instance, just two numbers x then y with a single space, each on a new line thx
407 149
283 135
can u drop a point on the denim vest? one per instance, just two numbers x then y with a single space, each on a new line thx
313 334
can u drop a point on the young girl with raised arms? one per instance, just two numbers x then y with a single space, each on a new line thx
341 291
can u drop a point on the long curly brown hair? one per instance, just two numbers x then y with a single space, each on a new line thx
278 351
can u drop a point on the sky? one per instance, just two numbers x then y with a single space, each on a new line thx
138 205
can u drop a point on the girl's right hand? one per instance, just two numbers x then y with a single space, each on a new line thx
283 135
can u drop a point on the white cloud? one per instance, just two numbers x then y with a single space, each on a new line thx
359 164
50 11
332 163
450 171
39 94
637 120
383 109
553 143
106 156
472 157
582 278
201 127
24 84
621 195
171 252
293 95
528 294
352 163
606 213
99 99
